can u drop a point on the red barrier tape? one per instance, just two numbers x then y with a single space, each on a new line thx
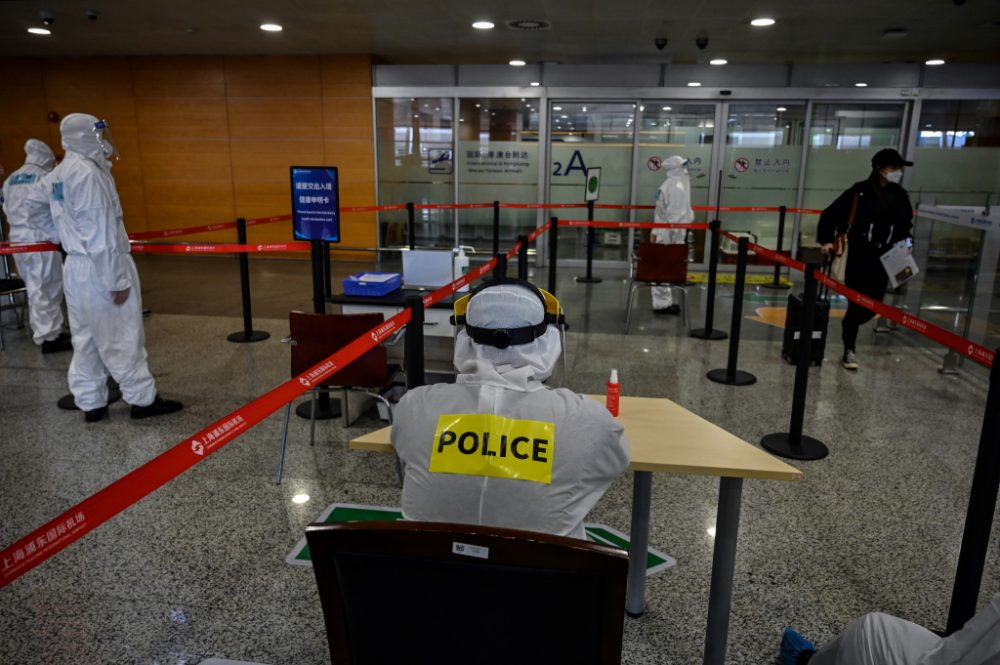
192 230
451 206
36 547
460 283
543 206
544 228
956 343
217 248
373 208
629 225
24 248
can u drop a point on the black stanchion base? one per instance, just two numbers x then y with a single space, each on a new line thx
242 338
808 449
701 333
739 378
583 279
776 286
66 402
633 615
323 411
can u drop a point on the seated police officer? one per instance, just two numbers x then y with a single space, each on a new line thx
498 447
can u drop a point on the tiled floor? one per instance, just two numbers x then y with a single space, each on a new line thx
196 569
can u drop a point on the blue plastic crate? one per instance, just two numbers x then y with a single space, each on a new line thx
371 283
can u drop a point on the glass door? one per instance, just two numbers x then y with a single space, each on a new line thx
763 161
683 129
584 135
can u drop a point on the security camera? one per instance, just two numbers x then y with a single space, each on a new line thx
48 18
701 42
92 14
661 43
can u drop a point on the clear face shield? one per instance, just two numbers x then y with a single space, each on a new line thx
106 140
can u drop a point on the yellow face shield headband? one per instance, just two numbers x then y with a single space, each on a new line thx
504 337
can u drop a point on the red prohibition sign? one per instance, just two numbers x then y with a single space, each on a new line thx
741 164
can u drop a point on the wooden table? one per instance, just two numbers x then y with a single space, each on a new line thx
667 438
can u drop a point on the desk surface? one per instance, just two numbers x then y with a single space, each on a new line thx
396 298
666 438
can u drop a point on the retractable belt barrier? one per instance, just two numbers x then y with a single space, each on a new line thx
977 352
604 224
28 552
217 248
25 247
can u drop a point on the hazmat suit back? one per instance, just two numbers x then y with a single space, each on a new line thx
107 338
498 447
673 206
27 209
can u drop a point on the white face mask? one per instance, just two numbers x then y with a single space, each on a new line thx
893 176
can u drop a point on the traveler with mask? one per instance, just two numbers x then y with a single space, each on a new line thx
876 214
99 278
498 447
673 206
27 208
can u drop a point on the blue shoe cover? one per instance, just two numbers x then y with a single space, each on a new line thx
793 644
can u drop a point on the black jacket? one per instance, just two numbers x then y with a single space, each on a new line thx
874 229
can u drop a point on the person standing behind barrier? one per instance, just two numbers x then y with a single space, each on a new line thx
27 208
673 206
498 447
883 217
100 279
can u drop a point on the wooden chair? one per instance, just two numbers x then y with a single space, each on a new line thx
313 337
423 592
654 264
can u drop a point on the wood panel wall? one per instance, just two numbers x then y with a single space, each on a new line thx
207 139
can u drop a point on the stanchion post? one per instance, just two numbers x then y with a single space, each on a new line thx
496 228
414 343
500 269
730 375
591 241
553 253
411 224
979 516
522 258
327 272
324 407
793 443
776 282
248 334
708 332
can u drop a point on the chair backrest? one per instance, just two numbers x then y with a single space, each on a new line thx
318 335
400 592
661 264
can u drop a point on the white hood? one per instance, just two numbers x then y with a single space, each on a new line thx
675 167
521 367
39 154
78 136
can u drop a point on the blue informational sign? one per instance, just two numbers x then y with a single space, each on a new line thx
315 203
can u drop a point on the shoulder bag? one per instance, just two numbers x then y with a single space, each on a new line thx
838 268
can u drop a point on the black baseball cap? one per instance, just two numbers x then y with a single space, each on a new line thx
888 157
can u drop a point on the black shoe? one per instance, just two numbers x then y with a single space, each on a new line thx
62 343
95 415
159 407
672 310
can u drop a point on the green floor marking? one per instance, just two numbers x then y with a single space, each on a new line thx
656 561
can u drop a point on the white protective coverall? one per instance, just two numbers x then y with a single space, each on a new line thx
107 338
881 639
26 205
673 205
587 451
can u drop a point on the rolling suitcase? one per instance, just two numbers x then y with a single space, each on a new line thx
821 323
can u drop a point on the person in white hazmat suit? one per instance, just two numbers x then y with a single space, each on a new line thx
882 639
498 447
26 206
99 277
673 206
